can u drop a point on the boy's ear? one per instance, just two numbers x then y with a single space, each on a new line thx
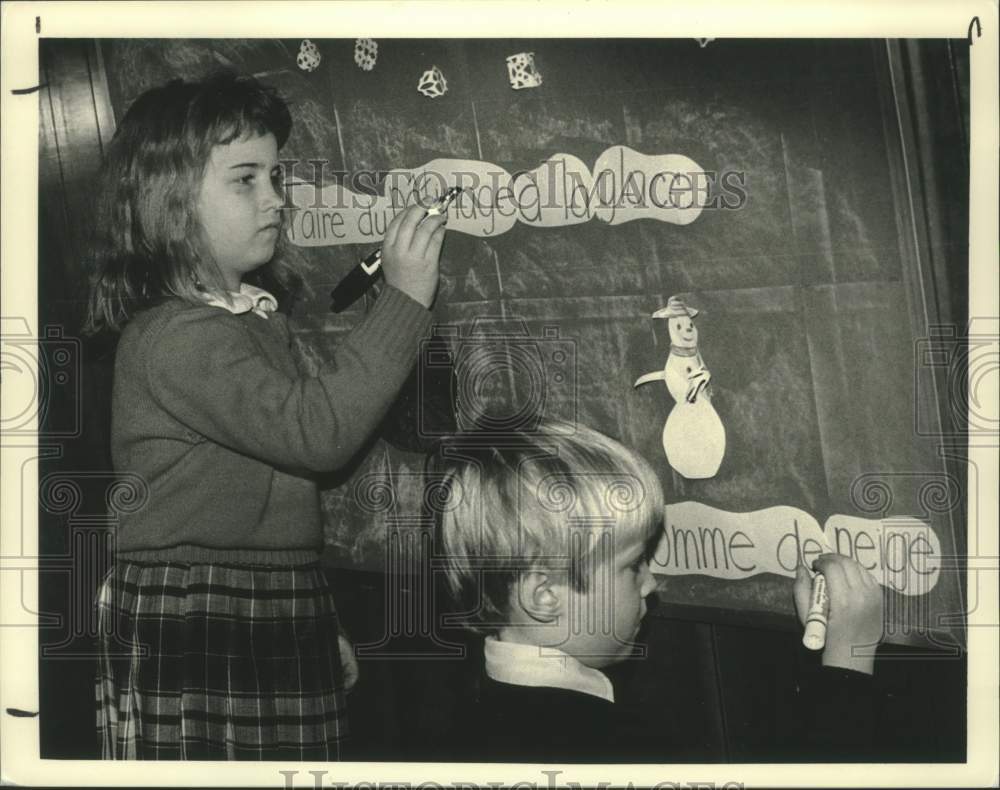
539 596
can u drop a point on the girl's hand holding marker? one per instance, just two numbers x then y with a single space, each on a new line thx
412 248
408 256
842 603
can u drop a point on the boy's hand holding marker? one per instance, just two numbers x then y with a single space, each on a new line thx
854 616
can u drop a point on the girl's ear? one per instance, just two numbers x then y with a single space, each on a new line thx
539 596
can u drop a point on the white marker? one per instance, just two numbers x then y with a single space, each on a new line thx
815 635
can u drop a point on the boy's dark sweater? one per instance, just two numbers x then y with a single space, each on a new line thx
510 723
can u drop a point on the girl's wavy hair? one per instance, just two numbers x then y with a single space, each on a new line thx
145 246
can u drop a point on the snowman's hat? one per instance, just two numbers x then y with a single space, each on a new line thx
675 309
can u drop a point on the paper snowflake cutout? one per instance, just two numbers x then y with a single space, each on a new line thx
365 53
308 58
522 72
432 83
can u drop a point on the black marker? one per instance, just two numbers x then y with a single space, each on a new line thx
361 277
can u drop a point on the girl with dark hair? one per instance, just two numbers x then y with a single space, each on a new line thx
219 635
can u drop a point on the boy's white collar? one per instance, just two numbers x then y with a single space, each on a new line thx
249 298
531 665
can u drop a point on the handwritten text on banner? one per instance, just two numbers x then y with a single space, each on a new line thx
623 186
902 552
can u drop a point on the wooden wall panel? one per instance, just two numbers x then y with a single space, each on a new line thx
75 121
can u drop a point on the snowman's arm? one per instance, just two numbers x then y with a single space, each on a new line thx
697 382
657 376
700 376
696 388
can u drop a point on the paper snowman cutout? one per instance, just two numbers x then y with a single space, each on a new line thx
365 53
432 83
308 58
521 71
694 439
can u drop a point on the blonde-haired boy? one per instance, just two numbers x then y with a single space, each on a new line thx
547 538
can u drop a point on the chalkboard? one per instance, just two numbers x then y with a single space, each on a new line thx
808 317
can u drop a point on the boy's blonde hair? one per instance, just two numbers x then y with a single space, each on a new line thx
546 499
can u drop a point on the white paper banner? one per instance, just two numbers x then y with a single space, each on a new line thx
624 186
902 553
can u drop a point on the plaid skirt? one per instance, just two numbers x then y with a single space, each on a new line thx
218 662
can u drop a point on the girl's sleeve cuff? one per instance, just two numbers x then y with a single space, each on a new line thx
395 326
